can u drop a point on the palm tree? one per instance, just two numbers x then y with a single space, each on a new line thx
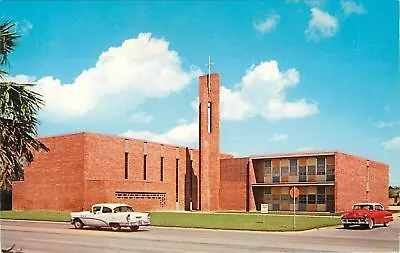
19 106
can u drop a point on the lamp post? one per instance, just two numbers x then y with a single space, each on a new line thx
367 186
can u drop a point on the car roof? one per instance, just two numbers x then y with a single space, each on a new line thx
111 205
367 203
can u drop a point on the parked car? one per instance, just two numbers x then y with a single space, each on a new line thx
367 214
111 215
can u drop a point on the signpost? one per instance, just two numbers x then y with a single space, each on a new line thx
264 210
294 193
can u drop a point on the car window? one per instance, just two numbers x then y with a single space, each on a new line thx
378 208
120 209
96 209
106 210
363 207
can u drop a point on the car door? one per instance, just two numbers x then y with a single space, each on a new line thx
92 218
105 216
379 214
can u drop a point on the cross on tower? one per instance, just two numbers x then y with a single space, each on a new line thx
209 73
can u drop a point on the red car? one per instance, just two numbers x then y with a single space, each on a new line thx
366 214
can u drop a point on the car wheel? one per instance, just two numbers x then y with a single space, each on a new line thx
134 228
370 223
115 227
346 226
386 224
78 224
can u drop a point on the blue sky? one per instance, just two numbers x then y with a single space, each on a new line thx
296 75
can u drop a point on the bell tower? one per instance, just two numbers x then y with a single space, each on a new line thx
209 124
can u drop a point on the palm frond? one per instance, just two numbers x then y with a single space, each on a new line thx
8 37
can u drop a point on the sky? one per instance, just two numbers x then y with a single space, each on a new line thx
296 75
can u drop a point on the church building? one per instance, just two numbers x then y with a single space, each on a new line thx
82 169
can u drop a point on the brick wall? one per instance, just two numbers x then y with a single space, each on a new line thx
54 180
351 181
209 143
233 191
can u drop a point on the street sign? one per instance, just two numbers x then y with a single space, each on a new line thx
294 192
264 208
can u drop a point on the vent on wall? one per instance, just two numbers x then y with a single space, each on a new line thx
161 196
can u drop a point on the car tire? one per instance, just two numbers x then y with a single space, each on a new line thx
386 224
371 224
134 228
78 224
346 226
115 227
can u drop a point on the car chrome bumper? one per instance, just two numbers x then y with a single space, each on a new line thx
354 221
139 223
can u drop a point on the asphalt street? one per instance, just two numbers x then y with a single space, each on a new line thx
35 237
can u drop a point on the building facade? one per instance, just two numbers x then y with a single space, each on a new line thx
329 181
82 169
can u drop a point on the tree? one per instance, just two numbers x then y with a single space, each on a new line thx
19 106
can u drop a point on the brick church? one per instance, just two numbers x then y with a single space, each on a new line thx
82 169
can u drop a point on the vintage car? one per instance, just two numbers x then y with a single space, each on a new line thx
111 215
366 214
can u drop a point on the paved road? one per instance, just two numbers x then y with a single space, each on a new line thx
36 237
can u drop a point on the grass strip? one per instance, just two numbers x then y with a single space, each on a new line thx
242 221
35 215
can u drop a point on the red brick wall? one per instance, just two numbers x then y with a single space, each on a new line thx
379 183
54 181
108 164
233 192
351 181
252 194
209 143
84 169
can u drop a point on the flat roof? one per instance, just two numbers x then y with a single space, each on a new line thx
296 154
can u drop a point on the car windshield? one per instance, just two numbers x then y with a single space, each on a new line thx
362 207
121 209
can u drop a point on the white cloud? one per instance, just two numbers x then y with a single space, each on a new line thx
262 91
233 107
24 26
381 124
268 24
141 117
279 137
392 144
305 149
183 134
349 7
123 77
322 24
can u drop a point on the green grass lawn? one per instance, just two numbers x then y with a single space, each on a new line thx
35 215
242 221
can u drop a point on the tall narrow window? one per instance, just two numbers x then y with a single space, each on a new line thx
126 164
321 166
144 167
176 179
209 111
162 169
191 178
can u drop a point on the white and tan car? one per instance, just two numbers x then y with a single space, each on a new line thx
111 215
